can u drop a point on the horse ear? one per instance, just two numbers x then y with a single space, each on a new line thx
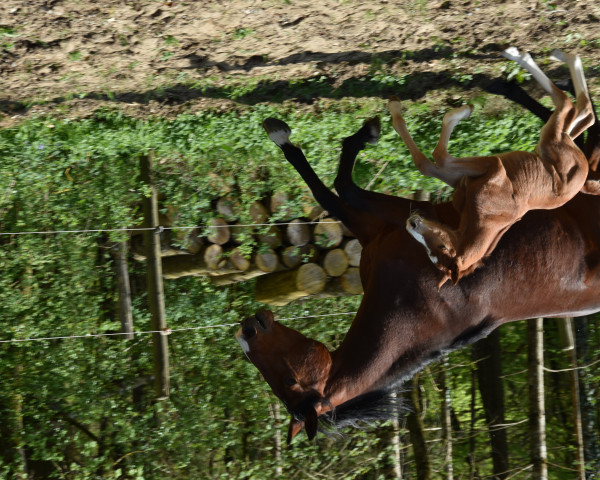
263 314
293 429
311 423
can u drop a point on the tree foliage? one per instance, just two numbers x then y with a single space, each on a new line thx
83 408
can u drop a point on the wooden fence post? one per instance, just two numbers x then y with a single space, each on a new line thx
156 301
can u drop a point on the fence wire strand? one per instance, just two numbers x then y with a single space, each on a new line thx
161 228
166 331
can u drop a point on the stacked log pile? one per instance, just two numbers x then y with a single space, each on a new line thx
315 255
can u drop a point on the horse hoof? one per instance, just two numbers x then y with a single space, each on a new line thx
374 129
277 130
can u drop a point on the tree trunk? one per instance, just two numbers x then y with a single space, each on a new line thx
416 430
472 458
446 412
587 396
275 414
537 410
125 315
568 343
13 458
396 446
489 374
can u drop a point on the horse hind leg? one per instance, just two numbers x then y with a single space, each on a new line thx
585 117
450 120
559 98
279 133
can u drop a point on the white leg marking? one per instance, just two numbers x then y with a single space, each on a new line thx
280 137
525 61
575 67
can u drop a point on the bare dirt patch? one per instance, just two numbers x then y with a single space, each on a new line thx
70 57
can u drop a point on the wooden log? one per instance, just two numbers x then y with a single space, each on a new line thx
333 288
179 266
335 262
218 231
313 212
238 260
219 184
353 250
291 256
258 212
294 256
280 288
278 205
328 233
350 281
187 265
213 256
266 261
236 277
239 233
272 236
228 207
298 232
194 243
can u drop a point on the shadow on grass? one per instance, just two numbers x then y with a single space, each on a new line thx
410 86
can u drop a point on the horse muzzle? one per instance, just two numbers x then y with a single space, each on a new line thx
260 323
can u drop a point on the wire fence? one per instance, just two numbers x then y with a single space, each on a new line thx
161 228
166 331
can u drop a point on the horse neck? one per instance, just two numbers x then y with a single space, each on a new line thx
379 351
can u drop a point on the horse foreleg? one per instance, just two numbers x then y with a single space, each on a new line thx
446 168
279 132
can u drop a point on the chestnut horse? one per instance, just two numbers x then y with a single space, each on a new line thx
546 265
493 192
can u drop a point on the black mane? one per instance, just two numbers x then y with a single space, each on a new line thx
378 405
388 403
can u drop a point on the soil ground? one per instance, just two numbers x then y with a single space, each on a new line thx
70 57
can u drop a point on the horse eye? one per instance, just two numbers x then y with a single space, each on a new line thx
290 382
443 248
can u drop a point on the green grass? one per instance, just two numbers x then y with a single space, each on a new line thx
204 156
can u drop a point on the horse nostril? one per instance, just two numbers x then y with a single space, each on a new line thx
412 223
248 332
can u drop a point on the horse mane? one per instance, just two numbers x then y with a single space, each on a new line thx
388 403
378 405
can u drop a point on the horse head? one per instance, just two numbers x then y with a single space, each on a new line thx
295 367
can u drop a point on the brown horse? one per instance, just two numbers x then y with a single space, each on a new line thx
546 265
494 192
